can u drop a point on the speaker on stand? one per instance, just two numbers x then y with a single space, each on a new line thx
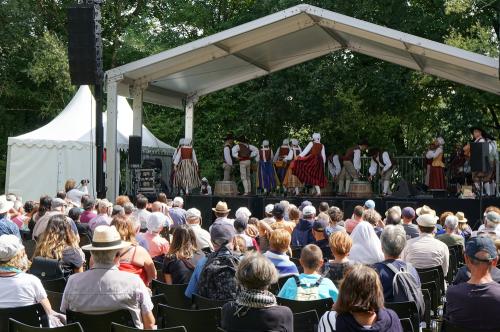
479 162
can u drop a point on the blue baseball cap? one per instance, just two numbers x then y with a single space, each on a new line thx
481 243
370 204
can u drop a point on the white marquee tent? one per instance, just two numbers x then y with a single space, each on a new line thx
40 161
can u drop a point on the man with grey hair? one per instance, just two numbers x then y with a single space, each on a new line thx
177 212
57 206
491 224
393 240
451 238
104 288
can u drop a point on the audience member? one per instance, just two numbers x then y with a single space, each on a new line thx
240 226
88 211
62 195
463 228
177 212
221 212
491 224
133 259
20 217
451 238
203 241
309 285
294 215
30 208
73 194
59 242
286 205
440 227
58 206
320 232
393 216
117 210
104 209
243 212
425 251
255 308
122 200
366 248
104 288
304 204
473 305
7 226
182 256
239 245
340 245
83 229
279 245
279 217
141 214
374 219
129 210
336 218
302 233
369 205
265 227
408 214
357 217
360 306
157 245
323 211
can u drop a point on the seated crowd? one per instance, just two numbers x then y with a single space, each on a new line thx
112 255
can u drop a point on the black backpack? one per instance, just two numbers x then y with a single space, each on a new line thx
48 268
405 287
218 276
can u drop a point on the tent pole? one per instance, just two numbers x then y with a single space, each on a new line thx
99 141
189 117
111 140
137 95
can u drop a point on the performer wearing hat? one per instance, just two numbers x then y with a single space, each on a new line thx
351 166
266 176
334 167
205 188
309 167
227 163
291 181
244 152
280 164
186 168
488 177
436 168
381 161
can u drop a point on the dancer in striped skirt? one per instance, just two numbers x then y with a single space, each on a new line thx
186 168
310 166
291 181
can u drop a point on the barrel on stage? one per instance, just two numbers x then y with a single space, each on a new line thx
360 189
226 188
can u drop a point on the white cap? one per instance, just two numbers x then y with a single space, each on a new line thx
286 141
269 208
427 220
5 205
308 210
295 141
10 245
156 220
265 142
193 213
316 136
178 201
243 212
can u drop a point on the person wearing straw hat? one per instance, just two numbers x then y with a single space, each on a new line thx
267 179
463 228
186 168
435 171
309 167
227 160
104 288
425 251
244 152
6 225
221 212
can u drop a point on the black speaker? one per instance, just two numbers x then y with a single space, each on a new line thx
85 44
402 189
135 150
479 157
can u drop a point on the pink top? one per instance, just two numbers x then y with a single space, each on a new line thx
350 224
157 245
19 220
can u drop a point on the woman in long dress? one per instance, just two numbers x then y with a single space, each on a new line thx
309 167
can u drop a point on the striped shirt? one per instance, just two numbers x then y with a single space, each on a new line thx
282 263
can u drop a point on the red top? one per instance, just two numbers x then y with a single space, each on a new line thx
128 266
316 149
283 152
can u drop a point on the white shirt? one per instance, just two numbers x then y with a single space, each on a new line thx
254 152
21 290
141 215
374 164
334 165
75 195
357 159
425 251
227 156
177 158
431 154
203 239
308 148
293 153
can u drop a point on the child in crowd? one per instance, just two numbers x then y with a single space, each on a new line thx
279 245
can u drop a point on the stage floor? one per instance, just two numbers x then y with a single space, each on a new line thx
471 207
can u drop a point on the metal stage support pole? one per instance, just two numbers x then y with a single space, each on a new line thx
99 141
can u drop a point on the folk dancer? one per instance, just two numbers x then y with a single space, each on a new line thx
280 164
172 172
186 168
436 167
291 181
309 167
351 166
244 152
266 175
488 177
334 167
382 162
227 163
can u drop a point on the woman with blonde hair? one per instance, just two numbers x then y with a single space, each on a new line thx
58 241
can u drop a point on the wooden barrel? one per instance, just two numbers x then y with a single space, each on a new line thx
225 188
360 189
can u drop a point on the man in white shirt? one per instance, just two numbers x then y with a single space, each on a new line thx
193 219
244 152
141 215
227 163
351 162
381 161
425 251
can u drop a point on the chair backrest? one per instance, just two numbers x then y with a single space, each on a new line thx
201 302
55 299
282 281
407 325
33 315
55 285
29 247
321 306
428 303
296 252
406 310
202 320
100 322
159 271
305 321
434 294
115 327
440 276
174 294
15 326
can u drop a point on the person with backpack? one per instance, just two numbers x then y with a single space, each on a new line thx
214 275
400 280
309 285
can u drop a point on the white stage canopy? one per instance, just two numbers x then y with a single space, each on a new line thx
40 161
179 76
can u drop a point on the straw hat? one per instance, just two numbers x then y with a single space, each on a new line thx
461 217
106 238
427 220
221 207
425 210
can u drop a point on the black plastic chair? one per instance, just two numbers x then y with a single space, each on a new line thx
25 235
296 252
407 325
33 315
159 271
56 285
305 321
428 303
321 306
174 294
440 280
202 320
15 326
121 328
406 310
29 248
433 290
296 261
201 302
55 299
100 322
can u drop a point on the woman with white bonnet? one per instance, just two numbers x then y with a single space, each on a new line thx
435 165
186 168
291 181
310 166
266 175
157 245
366 248
17 288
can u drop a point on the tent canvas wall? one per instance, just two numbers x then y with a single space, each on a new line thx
40 161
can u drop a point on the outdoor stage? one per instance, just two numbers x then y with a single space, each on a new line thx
471 207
